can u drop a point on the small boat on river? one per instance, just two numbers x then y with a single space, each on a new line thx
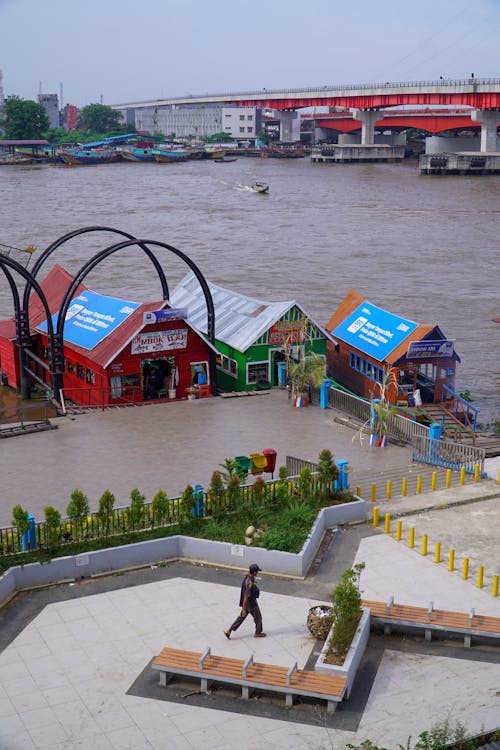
15 159
213 152
260 187
165 155
138 154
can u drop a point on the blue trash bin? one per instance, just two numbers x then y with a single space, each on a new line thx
342 483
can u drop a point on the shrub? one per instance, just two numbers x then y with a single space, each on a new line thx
327 473
216 496
346 598
233 492
161 508
187 503
105 512
20 519
78 508
305 484
53 521
136 510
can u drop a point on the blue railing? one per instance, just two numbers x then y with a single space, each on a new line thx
460 408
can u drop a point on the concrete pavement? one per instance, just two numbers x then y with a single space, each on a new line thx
74 666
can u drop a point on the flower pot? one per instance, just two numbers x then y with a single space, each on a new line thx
172 393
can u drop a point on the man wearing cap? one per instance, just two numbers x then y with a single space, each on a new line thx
248 603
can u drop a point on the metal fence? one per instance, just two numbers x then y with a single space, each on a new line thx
24 414
295 465
448 454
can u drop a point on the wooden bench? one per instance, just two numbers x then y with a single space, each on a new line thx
250 675
430 620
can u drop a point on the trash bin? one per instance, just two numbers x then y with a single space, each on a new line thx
243 466
342 483
259 463
28 540
198 495
270 455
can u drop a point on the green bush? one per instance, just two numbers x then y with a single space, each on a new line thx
346 598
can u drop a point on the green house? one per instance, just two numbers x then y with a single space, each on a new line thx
251 335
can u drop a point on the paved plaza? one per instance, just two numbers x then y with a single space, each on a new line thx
74 658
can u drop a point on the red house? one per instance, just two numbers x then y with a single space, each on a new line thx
116 351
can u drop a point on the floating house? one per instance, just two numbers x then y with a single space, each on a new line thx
251 335
116 351
371 341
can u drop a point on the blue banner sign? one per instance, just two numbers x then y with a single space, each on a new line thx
427 349
374 331
157 316
91 317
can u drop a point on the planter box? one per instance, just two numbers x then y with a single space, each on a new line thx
353 659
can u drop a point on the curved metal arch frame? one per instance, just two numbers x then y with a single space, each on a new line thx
19 312
84 230
93 262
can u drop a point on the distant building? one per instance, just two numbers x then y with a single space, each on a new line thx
196 121
69 117
50 103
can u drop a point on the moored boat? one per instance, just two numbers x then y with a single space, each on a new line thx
82 156
137 154
283 151
166 155
213 152
15 159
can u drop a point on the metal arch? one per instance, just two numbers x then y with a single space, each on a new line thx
21 312
92 263
51 248
96 259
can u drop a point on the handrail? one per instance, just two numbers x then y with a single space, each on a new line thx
466 405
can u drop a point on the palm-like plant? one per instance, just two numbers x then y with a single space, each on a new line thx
308 372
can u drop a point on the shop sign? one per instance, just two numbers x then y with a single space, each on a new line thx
159 341
157 316
430 349
291 331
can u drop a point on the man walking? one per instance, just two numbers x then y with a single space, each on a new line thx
248 603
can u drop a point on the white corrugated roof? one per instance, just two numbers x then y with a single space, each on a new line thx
239 321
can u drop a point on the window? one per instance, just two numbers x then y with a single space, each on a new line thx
250 130
366 368
71 367
242 117
80 372
257 371
228 366
250 118
242 130
90 376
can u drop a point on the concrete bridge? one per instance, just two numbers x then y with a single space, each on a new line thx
366 101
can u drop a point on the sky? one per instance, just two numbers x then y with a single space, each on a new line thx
118 51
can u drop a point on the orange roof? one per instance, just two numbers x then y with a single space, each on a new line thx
351 301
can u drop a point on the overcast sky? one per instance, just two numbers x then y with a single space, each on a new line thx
128 50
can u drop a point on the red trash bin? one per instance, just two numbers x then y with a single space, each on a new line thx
270 455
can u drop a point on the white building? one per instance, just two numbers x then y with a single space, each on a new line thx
196 121
50 103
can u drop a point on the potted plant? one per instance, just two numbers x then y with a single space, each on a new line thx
308 372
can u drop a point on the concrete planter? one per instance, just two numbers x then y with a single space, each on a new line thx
112 559
353 659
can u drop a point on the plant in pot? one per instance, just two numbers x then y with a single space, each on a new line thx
308 372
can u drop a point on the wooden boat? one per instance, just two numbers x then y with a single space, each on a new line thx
213 152
260 187
283 151
225 160
82 156
196 152
14 159
166 155
138 154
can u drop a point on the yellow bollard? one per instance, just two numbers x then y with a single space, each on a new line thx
399 530
451 560
476 472
434 480
495 586
480 576
374 492
465 569
358 491
404 485
424 545
387 523
462 475
448 479
375 516
437 554
389 490
419 485
411 539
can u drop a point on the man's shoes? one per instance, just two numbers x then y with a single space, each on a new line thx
227 633
259 635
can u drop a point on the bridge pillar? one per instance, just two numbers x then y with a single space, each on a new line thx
289 126
489 119
368 118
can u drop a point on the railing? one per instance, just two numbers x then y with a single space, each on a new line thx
295 465
461 408
25 414
99 398
449 455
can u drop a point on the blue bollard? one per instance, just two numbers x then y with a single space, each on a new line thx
323 393
435 432
29 537
342 483
198 494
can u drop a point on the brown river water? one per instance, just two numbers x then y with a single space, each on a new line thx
426 248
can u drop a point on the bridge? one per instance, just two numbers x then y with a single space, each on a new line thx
367 101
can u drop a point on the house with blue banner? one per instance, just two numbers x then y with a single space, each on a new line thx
372 341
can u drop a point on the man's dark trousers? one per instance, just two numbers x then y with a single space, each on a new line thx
254 610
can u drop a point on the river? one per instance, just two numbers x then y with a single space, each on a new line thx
425 248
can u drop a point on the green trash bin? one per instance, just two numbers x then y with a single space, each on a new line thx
243 466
